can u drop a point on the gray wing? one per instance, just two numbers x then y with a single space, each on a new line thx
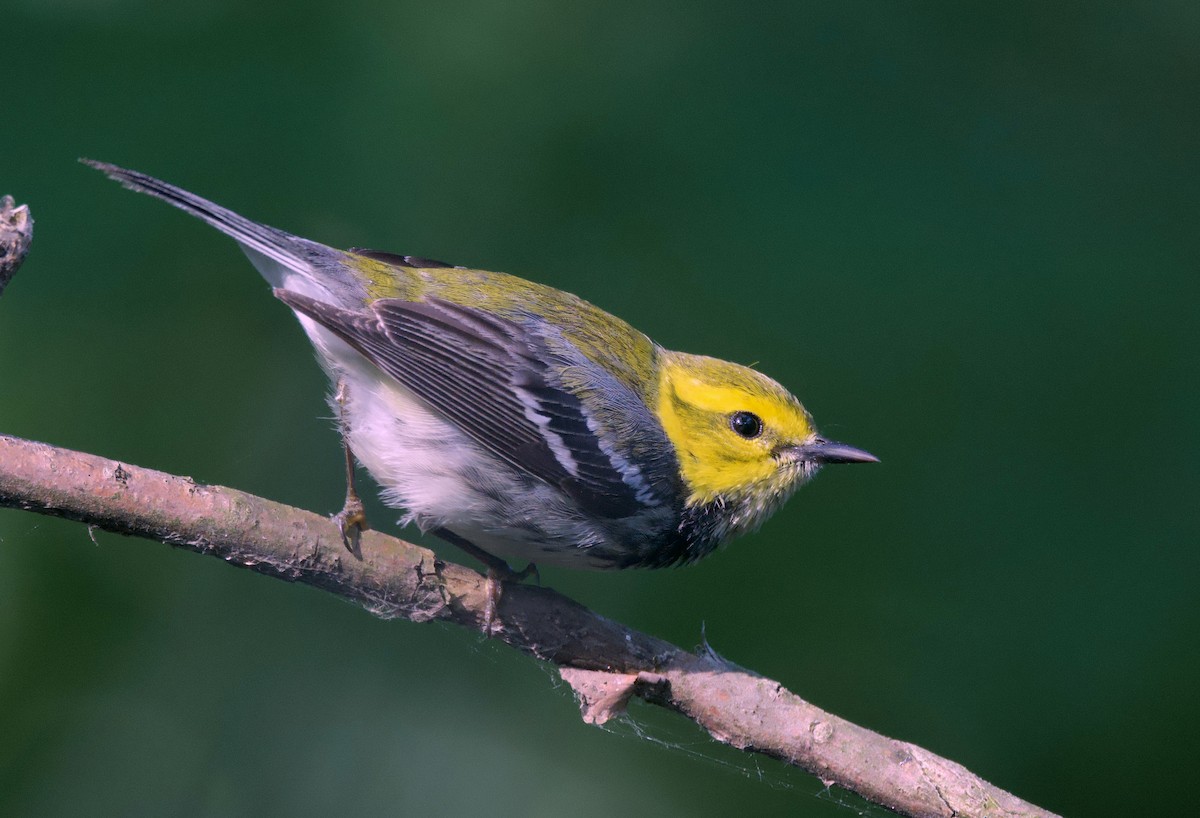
493 379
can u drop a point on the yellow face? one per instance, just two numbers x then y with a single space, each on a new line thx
733 428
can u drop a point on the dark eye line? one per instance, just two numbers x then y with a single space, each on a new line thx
746 424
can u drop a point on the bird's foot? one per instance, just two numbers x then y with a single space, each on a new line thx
498 573
352 522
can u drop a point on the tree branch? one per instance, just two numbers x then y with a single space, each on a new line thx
605 662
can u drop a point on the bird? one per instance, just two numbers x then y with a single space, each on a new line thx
521 422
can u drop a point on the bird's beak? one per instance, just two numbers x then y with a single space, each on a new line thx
819 450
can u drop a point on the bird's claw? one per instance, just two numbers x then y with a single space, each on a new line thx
352 522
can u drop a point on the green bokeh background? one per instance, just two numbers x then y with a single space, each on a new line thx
964 234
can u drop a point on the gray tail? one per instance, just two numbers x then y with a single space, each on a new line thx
289 252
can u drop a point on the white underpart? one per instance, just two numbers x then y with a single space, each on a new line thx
284 271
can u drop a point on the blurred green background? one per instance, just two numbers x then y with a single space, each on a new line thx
965 234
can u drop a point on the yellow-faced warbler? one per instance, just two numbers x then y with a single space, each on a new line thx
521 421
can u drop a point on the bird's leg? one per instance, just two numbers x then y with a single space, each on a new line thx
352 519
498 572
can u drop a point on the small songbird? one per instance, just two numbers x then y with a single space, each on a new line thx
521 422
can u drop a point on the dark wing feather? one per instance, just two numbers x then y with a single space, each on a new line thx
491 378
399 260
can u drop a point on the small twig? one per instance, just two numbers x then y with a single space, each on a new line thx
16 233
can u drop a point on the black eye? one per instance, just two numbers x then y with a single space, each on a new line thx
746 424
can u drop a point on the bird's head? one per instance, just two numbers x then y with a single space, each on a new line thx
742 440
